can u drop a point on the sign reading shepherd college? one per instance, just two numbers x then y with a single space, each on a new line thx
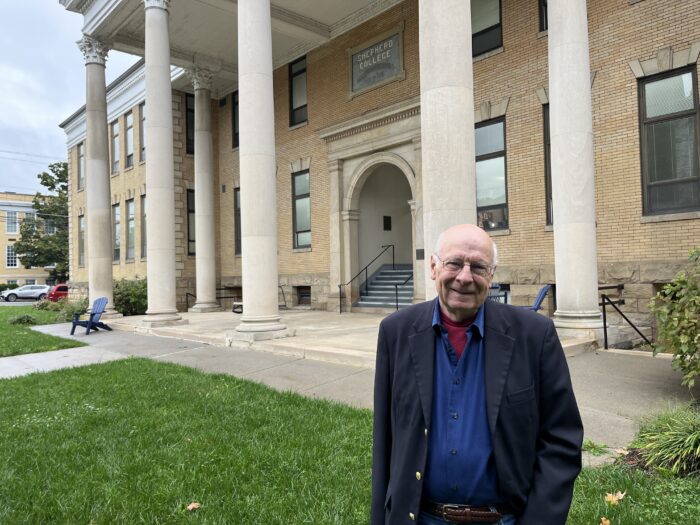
376 63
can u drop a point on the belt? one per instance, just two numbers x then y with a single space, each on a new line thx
453 513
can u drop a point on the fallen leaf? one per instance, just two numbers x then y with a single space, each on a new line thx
604 521
193 506
614 499
621 451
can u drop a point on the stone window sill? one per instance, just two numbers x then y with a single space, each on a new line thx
114 174
548 228
116 263
542 34
130 168
297 126
301 250
499 233
488 54
129 261
688 215
143 259
80 190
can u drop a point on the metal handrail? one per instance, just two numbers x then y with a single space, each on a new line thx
396 290
340 286
606 299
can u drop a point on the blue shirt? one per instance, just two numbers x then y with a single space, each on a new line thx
460 466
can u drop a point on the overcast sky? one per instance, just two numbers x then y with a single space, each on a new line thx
42 82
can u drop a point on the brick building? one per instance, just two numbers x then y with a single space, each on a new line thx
574 145
15 208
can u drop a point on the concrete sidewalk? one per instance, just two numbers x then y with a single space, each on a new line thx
614 388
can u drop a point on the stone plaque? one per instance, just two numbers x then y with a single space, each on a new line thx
377 62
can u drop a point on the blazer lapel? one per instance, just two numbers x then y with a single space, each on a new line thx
421 346
498 347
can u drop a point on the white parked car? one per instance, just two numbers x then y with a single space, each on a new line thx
28 291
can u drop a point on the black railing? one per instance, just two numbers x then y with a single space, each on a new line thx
364 270
605 299
396 289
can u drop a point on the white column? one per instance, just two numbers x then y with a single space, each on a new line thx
258 171
160 184
447 120
99 206
205 230
573 191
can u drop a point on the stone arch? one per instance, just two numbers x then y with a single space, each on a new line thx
366 168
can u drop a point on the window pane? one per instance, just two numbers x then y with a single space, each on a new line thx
485 13
669 95
304 239
677 196
300 65
299 90
489 139
301 184
303 214
670 150
491 182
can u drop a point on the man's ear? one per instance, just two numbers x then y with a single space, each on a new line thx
433 270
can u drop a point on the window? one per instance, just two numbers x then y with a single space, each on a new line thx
189 123
669 116
129 139
12 281
191 237
117 234
11 260
11 224
50 226
81 166
115 146
303 294
487 33
81 240
130 222
491 192
234 119
297 92
301 209
237 219
30 219
547 166
30 281
142 131
543 15
143 227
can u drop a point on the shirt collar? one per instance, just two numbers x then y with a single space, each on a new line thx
478 322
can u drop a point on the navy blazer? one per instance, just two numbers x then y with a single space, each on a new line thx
533 417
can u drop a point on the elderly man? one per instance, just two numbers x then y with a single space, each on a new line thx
475 420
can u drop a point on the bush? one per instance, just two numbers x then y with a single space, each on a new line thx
24 319
131 296
5 286
66 309
677 311
670 442
47 305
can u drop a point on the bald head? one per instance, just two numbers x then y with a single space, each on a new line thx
468 233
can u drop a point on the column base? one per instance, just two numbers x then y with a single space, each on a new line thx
111 313
162 319
251 337
205 307
579 325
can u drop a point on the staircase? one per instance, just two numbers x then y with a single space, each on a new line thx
380 292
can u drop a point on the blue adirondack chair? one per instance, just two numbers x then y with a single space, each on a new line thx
93 321
537 305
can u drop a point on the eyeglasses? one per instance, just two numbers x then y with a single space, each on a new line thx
476 268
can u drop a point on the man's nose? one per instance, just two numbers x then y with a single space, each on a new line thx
465 274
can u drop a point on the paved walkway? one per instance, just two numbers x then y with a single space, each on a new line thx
614 388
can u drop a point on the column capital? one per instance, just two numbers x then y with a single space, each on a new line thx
200 77
161 4
94 51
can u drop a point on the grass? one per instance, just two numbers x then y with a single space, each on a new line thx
19 339
596 449
136 441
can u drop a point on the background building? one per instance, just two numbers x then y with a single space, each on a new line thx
376 143
14 209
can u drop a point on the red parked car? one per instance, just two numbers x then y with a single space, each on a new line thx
58 292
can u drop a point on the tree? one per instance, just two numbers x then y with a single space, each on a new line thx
44 241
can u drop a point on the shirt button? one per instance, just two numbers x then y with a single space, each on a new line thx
455 415
457 381
411 516
426 431
418 476
453 451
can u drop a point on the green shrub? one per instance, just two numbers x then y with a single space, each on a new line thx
66 309
670 442
5 286
24 319
131 296
47 305
677 311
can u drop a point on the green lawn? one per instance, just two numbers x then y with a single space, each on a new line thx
136 441
20 339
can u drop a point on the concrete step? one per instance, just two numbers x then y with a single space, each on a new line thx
574 346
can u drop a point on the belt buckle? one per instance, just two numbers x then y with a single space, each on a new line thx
451 506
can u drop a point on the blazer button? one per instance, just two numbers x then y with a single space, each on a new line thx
426 431
418 476
412 516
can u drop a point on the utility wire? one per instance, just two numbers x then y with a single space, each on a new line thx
35 155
